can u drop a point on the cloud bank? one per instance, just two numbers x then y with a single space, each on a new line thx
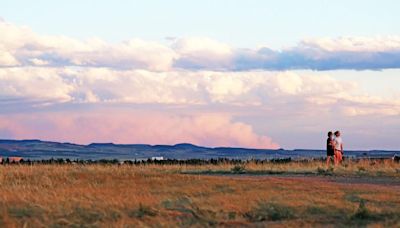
19 46
134 127
289 91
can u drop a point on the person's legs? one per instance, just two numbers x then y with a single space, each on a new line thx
336 159
340 157
328 160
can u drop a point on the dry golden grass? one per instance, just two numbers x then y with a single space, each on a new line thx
364 167
160 195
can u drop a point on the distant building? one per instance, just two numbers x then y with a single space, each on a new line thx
157 158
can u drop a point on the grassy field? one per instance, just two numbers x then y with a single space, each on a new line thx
298 194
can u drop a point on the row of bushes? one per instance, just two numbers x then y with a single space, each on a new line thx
149 161
144 161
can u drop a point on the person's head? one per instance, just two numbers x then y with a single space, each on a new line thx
330 134
337 133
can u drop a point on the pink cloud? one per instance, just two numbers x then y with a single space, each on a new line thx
134 127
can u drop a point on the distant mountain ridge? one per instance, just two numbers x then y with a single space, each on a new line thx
36 149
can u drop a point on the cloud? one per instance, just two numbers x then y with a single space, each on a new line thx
289 91
7 59
19 46
202 53
121 126
39 62
357 53
353 44
34 83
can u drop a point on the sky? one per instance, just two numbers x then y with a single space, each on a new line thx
258 74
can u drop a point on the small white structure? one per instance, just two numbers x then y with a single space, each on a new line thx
157 158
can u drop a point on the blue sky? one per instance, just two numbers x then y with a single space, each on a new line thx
239 23
263 74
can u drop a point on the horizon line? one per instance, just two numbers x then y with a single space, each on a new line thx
182 143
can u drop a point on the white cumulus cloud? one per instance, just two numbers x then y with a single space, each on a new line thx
20 46
278 90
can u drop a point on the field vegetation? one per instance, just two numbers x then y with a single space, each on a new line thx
206 195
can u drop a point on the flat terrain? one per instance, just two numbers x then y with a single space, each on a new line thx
292 194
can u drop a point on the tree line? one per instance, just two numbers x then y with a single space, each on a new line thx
212 161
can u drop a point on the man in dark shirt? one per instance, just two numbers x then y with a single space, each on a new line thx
330 148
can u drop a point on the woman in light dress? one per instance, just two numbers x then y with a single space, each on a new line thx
338 144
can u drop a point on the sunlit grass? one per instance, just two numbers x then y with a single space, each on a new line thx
163 195
351 167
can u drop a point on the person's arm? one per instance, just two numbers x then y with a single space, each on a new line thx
341 147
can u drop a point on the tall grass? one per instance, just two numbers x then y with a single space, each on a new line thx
362 167
161 195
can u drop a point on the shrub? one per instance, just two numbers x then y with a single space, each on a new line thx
322 171
224 188
25 212
361 169
238 169
232 215
191 213
269 212
86 215
142 211
362 212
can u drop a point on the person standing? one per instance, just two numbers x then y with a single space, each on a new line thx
338 148
330 149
